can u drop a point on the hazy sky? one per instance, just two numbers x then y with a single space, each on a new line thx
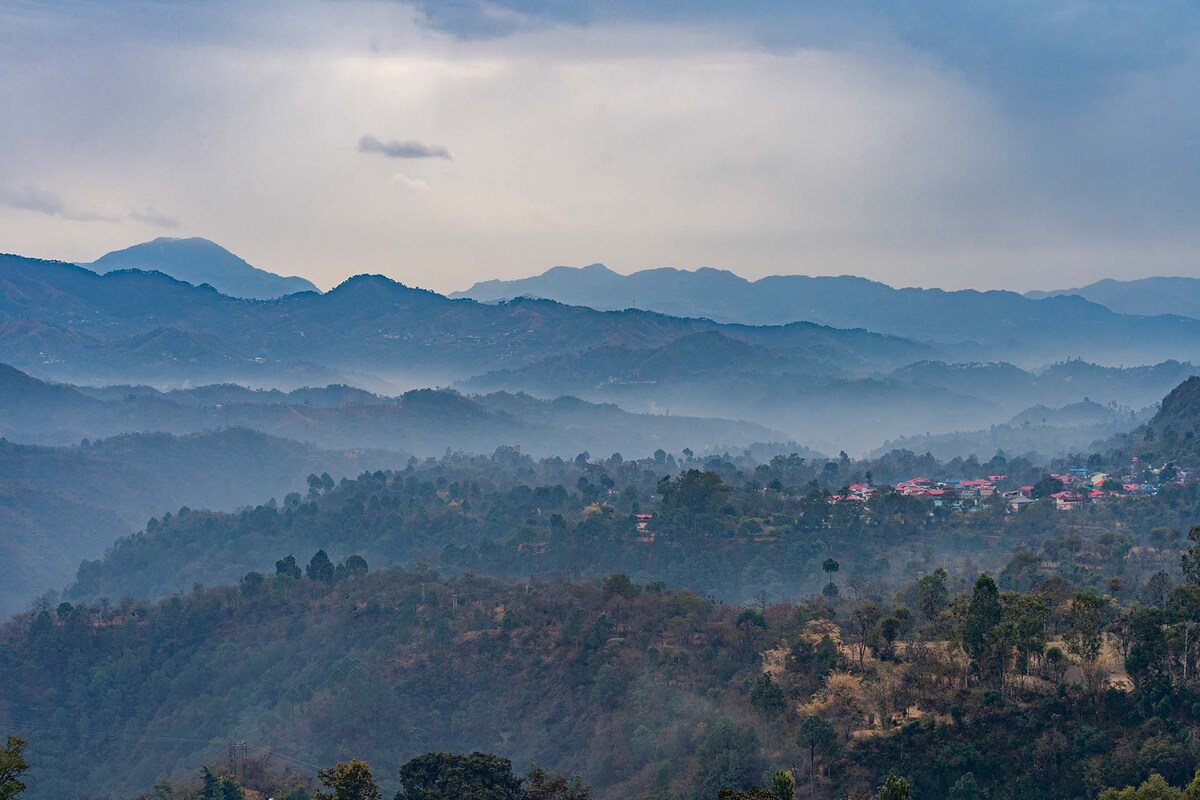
1017 144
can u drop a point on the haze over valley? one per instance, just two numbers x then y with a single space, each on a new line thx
520 400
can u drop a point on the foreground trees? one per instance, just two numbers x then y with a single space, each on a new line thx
12 766
1155 788
661 694
348 781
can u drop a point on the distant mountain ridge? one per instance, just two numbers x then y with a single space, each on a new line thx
1159 295
69 323
988 325
199 261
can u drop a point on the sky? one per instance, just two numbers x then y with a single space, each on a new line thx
1006 144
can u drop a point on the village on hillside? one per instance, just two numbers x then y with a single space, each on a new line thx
1070 490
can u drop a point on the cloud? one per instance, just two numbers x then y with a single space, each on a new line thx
1021 144
34 198
1035 53
153 217
397 149
407 181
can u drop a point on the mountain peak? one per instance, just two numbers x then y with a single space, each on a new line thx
198 261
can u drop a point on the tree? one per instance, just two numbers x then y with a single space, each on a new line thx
320 568
252 583
765 695
287 567
543 785
1024 618
1153 788
1056 661
1190 561
815 733
1085 631
12 766
727 757
1045 487
448 776
1184 609
894 788
222 788
866 617
356 566
932 595
783 784
298 695
983 615
607 687
350 780
696 491
887 632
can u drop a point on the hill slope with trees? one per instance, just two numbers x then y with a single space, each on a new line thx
647 692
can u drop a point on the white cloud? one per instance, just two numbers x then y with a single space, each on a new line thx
417 184
41 201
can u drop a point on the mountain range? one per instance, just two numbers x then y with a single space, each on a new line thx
978 325
832 388
69 323
198 261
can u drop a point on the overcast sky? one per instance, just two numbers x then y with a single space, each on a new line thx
1037 144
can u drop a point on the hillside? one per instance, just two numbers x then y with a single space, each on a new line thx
1147 296
198 261
61 505
731 527
646 692
981 325
385 667
1171 434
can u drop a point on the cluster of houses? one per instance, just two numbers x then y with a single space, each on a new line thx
958 495
1080 486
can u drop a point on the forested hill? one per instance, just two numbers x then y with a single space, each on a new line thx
732 527
1173 433
647 692
1177 423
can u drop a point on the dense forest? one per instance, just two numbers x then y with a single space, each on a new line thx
1055 691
